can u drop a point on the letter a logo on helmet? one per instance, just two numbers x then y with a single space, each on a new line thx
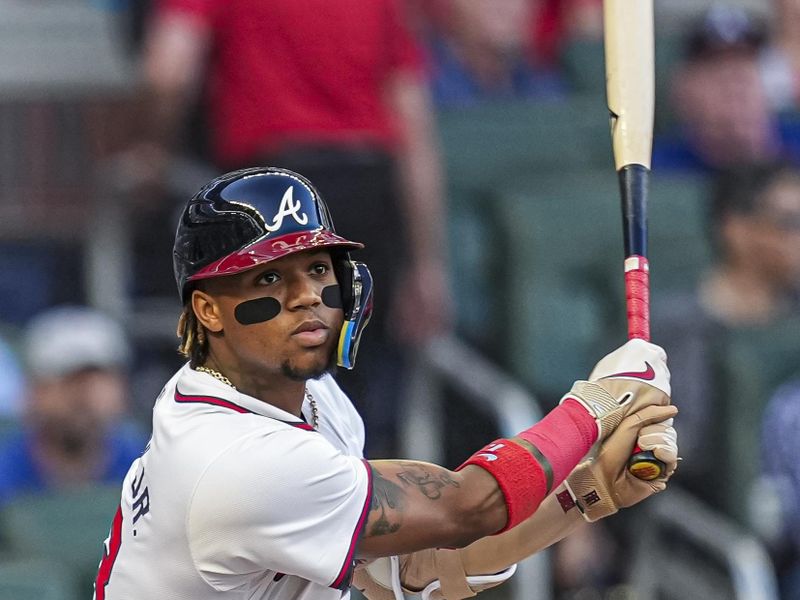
288 208
249 217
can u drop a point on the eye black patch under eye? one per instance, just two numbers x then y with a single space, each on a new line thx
332 296
257 311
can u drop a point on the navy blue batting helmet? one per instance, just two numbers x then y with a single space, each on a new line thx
249 217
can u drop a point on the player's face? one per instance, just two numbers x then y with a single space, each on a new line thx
275 319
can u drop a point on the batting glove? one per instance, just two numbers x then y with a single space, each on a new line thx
603 485
434 574
629 379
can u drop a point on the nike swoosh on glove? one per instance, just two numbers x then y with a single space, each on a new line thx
629 379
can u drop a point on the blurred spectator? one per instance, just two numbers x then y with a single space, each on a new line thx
335 91
756 216
482 53
74 430
552 24
754 223
780 61
723 114
12 383
560 21
779 451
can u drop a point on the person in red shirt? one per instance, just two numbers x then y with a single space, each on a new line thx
336 91
285 73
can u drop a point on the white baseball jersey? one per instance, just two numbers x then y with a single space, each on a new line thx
235 498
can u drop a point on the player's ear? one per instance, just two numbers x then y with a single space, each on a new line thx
207 310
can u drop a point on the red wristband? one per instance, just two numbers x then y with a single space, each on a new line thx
563 437
560 440
518 474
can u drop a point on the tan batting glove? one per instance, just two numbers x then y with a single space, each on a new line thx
369 587
629 379
602 485
433 574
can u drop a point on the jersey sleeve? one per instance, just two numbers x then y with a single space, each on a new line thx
287 502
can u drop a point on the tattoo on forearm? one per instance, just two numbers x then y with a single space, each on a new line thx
386 497
429 484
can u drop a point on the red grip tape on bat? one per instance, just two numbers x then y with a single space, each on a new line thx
642 463
637 297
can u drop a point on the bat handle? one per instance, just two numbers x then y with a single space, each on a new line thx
642 463
637 297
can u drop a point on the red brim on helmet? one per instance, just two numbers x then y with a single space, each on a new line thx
266 250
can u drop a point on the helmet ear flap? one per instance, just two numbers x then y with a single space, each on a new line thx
355 281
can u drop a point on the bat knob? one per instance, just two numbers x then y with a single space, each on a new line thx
644 465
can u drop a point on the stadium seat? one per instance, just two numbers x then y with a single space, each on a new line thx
753 363
35 580
583 63
562 283
682 549
68 527
487 146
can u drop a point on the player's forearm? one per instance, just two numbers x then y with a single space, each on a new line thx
481 565
417 505
548 525
594 490
419 168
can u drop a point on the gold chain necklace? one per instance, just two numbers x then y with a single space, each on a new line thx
216 375
220 377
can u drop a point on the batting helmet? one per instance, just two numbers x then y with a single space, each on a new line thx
252 216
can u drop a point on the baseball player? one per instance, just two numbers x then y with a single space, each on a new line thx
253 484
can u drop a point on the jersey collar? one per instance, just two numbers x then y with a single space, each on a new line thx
195 387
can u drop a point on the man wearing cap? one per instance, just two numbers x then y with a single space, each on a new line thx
73 430
724 116
254 484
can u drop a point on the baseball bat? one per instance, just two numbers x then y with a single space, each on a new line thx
629 38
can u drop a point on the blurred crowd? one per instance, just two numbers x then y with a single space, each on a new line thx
358 96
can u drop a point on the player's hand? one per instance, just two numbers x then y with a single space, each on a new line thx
629 379
603 485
